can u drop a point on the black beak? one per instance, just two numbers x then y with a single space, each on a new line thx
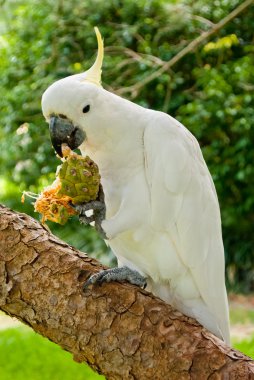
63 131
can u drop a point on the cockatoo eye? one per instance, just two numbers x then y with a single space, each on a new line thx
86 108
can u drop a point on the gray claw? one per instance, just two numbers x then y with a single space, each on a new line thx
117 274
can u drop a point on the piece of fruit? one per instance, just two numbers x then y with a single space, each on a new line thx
77 182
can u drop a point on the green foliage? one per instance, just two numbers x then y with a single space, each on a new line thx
210 91
27 355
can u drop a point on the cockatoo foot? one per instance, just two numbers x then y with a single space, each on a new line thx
117 274
99 212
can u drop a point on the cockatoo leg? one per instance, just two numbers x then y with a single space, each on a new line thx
123 274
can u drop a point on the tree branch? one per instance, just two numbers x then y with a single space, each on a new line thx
189 48
118 329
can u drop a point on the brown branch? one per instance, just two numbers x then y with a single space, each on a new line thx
186 50
120 330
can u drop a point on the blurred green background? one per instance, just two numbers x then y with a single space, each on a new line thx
210 91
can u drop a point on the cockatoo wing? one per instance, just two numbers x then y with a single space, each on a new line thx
184 203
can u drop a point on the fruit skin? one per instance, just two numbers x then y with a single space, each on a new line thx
80 179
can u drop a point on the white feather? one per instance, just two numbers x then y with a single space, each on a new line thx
184 204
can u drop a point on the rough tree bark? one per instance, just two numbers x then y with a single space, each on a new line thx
119 330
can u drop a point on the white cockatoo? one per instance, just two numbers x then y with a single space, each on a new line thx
162 214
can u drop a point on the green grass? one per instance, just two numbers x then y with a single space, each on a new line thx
242 315
246 346
25 355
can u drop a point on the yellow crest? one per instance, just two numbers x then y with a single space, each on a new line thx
94 73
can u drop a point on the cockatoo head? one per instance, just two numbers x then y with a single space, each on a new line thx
74 105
